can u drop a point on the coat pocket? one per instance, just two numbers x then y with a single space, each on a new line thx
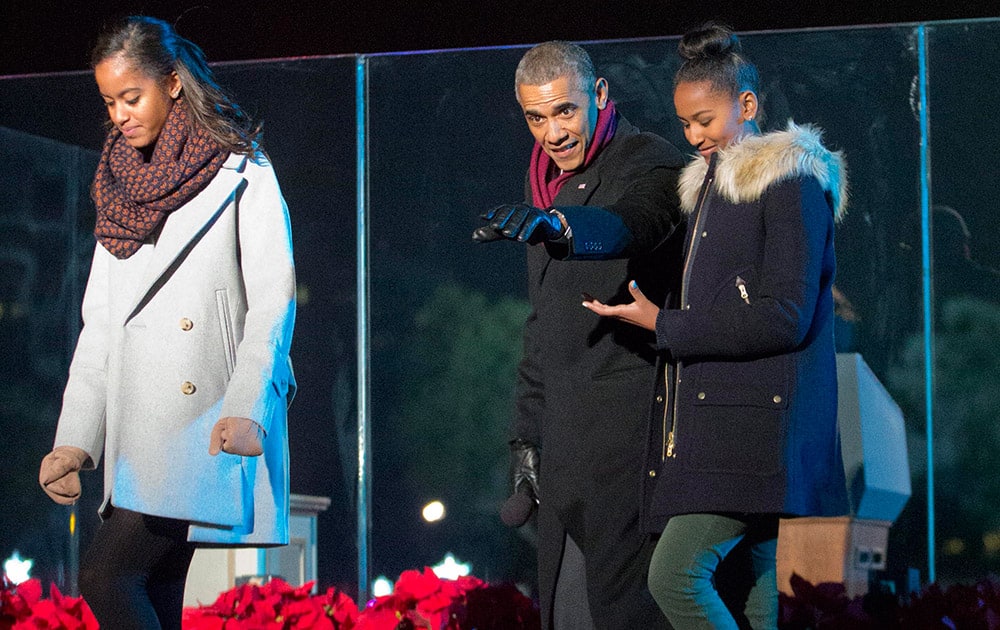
226 329
738 290
735 428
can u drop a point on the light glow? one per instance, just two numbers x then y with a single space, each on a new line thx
433 511
382 586
451 569
17 569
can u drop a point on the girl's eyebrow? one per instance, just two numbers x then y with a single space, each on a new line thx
123 92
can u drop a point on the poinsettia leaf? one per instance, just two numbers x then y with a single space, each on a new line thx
377 619
418 585
30 591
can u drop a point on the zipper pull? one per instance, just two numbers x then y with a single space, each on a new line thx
741 284
670 445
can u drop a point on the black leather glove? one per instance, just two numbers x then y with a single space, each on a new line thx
520 222
518 507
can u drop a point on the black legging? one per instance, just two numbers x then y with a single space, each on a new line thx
133 573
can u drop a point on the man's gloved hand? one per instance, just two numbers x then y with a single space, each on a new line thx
238 436
520 222
518 507
59 474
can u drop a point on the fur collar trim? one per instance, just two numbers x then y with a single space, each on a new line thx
746 169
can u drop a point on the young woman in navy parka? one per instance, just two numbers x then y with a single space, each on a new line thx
744 421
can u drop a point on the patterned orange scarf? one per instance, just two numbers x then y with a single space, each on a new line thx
134 197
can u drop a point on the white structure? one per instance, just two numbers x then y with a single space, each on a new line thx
848 549
214 571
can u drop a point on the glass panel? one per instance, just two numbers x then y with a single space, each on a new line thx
308 109
50 135
50 151
965 156
448 141
45 248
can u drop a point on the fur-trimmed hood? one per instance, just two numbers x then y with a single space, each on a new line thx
747 168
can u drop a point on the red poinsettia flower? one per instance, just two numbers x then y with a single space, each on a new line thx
56 613
340 608
22 608
417 585
468 582
428 600
198 619
383 618
16 601
501 607
30 592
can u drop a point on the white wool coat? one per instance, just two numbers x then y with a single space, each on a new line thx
193 327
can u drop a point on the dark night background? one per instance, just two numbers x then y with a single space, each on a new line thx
309 111
54 35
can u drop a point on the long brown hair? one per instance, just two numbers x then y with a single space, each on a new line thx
154 48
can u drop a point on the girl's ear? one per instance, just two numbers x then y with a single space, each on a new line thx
174 85
748 105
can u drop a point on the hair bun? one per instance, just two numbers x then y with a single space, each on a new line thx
711 40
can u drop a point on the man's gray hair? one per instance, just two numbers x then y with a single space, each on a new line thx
548 61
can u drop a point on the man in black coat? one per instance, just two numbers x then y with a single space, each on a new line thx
583 383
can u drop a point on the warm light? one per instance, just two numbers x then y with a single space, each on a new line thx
382 586
302 294
451 569
954 546
991 542
17 570
433 511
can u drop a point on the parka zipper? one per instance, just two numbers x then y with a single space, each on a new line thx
741 285
670 444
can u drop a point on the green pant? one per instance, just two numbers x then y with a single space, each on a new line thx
684 569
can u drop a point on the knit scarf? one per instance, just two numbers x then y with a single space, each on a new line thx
134 197
545 178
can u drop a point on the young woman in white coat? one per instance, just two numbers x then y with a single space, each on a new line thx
181 376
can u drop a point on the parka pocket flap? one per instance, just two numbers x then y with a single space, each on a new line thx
723 393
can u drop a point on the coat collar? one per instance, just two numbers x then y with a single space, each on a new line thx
186 225
746 169
578 189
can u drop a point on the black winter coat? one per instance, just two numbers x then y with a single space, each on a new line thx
584 382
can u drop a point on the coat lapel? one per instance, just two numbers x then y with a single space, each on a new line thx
578 190
186 225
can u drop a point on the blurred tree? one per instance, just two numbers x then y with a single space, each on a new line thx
966 440
458 398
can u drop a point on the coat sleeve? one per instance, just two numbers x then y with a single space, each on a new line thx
262 376
782 307
84 406
529 389
644 216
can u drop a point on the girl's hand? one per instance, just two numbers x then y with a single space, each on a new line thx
641 312
238 436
